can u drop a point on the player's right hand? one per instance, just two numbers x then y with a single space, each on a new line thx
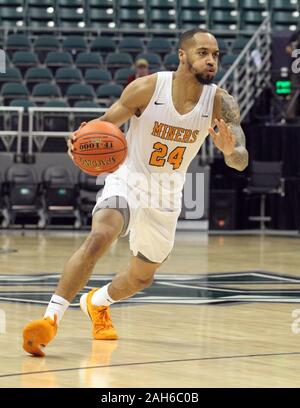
71 140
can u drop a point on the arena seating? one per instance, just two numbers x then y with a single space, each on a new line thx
79 53
153 14
73 74
73 64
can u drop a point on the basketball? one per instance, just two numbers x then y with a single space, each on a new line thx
100 147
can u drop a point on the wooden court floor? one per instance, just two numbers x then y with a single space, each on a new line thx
223 312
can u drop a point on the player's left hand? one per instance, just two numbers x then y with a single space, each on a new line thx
71 139
224 139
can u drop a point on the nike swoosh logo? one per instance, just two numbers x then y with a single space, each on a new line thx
158 103
52 301
204 116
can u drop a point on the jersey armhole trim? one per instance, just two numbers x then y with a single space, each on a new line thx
151 99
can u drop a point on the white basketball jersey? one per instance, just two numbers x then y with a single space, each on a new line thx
162 142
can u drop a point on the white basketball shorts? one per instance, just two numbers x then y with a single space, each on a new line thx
151 230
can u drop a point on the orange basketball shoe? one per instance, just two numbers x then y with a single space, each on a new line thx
103 328
37 334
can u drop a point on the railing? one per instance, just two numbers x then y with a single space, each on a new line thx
7 136
39 136
247 77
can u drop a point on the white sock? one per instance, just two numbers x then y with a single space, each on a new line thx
58 306
102 298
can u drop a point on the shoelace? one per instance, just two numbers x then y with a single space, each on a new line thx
103 319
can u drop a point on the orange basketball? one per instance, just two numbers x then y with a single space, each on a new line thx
100 147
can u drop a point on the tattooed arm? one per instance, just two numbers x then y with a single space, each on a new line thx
230 138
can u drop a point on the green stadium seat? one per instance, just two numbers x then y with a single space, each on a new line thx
12 3
86 60
134 17
131 45
154 60
166 17
109 91
254 5
251 20
122 74
129 4
76 92
57 59
238 45
11 16
71 3
11 75
40 3
119 60
159 46
284 5
85 116
85 104
24 103
220 16
45 44
162 4
171 62
69 17
132 26
65 76
193 18
41 17
187 25
101 18
228 60
58 122
224 20
74 44
17 42
223 4
284 20
56 103
13 90
37 75
193 5
104 45
97 76
43 91
24 60
102 3
68 74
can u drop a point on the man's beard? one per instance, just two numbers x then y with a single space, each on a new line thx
202 80
200 77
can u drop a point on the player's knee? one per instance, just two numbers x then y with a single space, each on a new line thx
142 282
98 241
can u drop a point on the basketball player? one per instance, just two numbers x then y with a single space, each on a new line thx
170 113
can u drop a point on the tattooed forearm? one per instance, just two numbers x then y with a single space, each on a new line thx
230 113
238 159
229 109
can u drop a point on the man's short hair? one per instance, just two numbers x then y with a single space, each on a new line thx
187 35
